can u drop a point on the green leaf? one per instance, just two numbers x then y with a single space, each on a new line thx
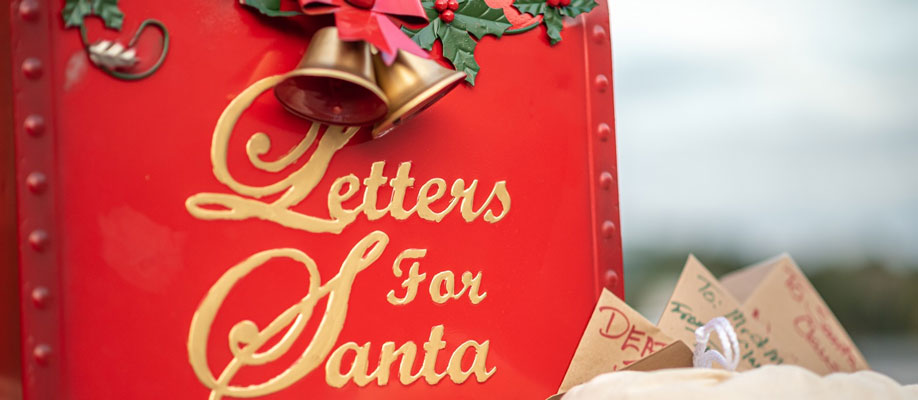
552 17
472 18
554 23
578 7
459 49
426 36
270 8
75 11
429 9
478 19
531 7
109 12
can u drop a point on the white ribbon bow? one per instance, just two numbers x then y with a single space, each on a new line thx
703 358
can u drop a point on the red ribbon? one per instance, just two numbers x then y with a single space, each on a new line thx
356 21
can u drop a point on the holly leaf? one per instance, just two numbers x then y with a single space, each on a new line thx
109 12
578 7
553 17
531 7
473 18
270 8
75 11
554 23
459 49
426 36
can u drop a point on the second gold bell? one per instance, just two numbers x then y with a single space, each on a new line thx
343 83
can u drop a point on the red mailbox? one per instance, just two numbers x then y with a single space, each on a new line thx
182 235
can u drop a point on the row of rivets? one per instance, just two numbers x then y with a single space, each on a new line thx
37 182
602 83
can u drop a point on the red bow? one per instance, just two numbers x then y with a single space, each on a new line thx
369 20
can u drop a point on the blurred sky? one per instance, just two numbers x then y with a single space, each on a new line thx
764 127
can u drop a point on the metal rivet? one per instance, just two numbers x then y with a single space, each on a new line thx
40 296
42 353
610 280
38 239
599 34
37 182
605 180
604 131
608 229
32 68
601 82
34 125
28 10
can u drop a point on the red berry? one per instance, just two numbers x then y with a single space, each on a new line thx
452 5
440 5
447 16
565 3
553 3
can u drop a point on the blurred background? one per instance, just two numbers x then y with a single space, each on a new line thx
747 129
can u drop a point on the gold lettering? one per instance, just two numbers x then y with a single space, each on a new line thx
500 188
443 278
454 369
335 198
424 200
411 282
432 348
474 283
407 352
246 338
358 370
295 187
400 183
468 196
372 183
443 287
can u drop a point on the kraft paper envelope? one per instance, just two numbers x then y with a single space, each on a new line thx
777 294
698 298
615 337
675 355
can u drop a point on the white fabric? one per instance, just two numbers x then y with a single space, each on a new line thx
785 382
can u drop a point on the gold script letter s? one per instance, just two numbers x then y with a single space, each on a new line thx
245 338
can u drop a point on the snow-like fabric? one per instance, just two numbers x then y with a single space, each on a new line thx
783 382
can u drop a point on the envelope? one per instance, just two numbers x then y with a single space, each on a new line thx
615 337
777 295
698 298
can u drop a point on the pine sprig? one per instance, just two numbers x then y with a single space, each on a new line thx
553 17
473 20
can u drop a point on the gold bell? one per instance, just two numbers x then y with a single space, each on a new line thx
411 84
334 83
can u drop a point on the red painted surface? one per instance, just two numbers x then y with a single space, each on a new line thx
133 265
10 371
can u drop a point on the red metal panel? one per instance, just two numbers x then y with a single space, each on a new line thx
10 371
127 266
34 122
